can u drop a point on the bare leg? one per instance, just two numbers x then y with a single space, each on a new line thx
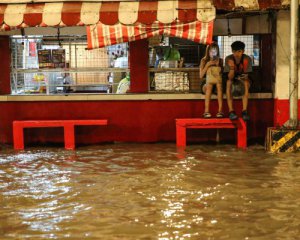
204 88
229 95
220 96
246 95
207 96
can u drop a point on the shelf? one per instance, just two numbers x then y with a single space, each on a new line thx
174 69
69 70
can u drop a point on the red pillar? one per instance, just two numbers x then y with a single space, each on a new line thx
5 65
18 135
69 136
138 62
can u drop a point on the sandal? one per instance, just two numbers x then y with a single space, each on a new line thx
206 115
219 115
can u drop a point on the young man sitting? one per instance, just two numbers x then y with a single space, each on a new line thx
238 65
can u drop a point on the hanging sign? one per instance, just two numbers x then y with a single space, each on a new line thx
44 57
32 49
59 58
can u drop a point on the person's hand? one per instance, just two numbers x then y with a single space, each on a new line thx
242 77
212 63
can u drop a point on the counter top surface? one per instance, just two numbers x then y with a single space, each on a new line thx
118 97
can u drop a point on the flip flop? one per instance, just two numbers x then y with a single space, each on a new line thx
219 115
206 115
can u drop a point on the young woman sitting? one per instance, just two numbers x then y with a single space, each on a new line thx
211 72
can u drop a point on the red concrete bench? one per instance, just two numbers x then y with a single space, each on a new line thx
183 124
68 125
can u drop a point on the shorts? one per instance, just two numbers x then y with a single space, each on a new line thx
238 87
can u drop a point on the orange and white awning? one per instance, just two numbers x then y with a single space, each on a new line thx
118 16
67 13
32 13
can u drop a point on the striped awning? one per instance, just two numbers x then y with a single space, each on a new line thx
32 13
78 13
101 35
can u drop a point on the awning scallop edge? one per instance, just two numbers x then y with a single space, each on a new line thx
108 13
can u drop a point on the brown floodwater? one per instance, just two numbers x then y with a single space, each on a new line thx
149 191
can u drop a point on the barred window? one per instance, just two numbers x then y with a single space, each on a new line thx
251 49
51 65
174 65
47 65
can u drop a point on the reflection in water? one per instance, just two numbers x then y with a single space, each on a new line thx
154 191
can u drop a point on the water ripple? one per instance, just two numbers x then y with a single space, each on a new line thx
151 191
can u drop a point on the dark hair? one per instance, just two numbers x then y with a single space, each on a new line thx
212 45
237 45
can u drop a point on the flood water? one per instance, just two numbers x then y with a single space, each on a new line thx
149 191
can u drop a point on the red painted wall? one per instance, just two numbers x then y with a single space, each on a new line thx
281 111
5 65
138 63
129 121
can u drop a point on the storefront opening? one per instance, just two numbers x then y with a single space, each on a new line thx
48 65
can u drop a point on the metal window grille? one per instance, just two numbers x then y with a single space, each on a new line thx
98 70
175 76
251 49
175 80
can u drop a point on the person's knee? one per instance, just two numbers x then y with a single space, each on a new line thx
204 88
209 87
247 83
228 85
247 86
219 88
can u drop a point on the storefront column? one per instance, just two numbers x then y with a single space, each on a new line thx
293 83
138 63
5 65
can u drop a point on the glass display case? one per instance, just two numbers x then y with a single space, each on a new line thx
47 65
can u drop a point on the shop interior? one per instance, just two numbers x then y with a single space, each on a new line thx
59 63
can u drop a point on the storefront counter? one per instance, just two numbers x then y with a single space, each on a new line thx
118 97
131 117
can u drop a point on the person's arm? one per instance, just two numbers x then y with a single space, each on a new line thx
248 67
221 64
202 69
230 64
247 63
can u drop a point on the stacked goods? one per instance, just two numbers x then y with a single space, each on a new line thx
168 64
171 81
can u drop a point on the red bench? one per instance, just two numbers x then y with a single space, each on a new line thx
183 124
68 125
